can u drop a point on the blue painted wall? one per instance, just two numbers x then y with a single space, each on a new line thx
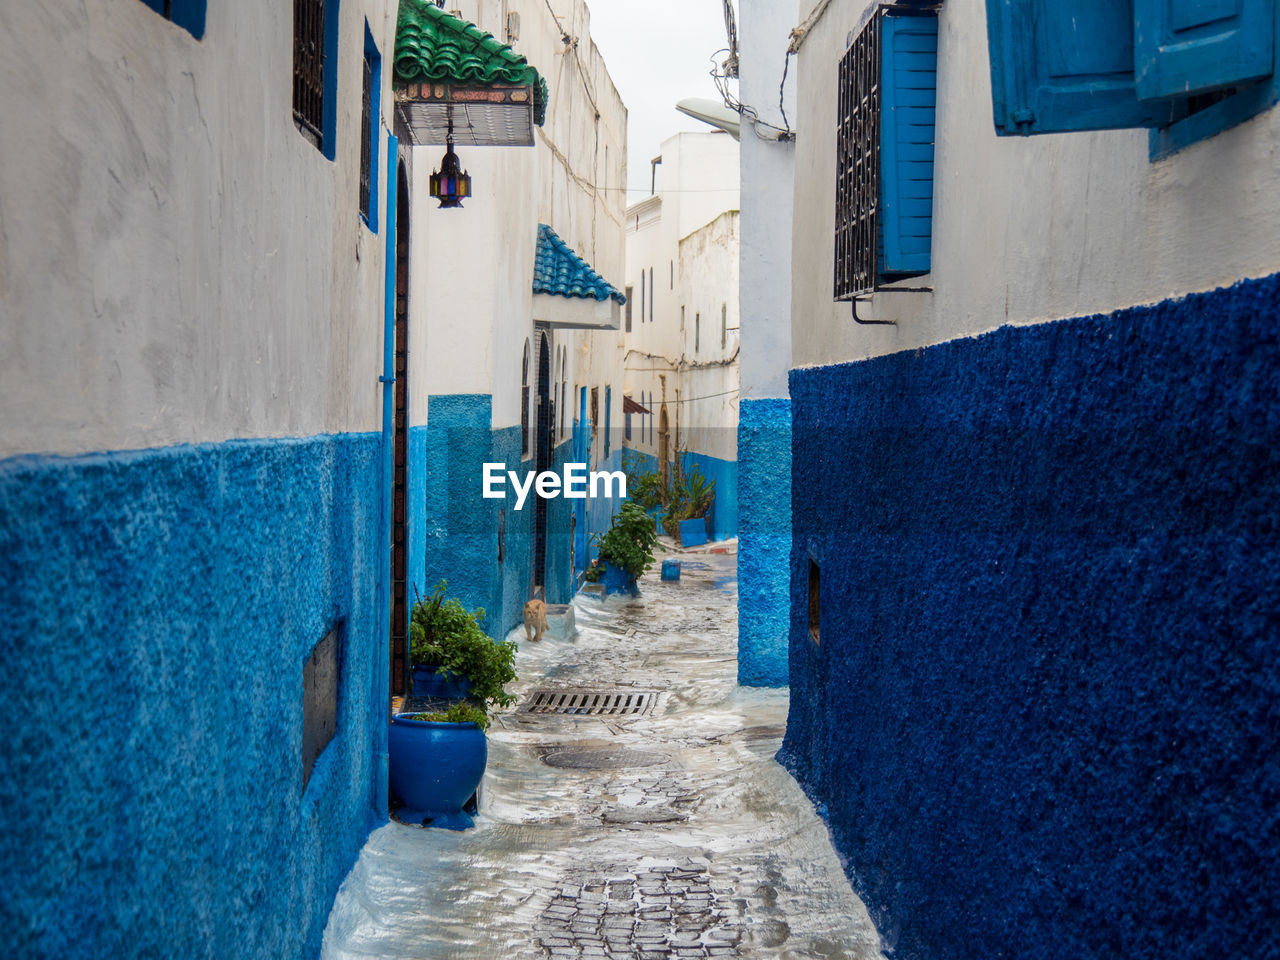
459 527
1042 719
460 544
416 517
764 541
724 512
159 606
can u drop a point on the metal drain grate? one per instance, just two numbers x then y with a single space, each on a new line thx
593 703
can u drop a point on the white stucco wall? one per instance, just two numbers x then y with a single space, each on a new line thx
767 171
471 275
1026 229
177 263
688 234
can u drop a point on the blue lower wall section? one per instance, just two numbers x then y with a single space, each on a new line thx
159 606
1041 719
460 528
724 512
764 541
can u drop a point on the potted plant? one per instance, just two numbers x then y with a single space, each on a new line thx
438 758
451 656
437 762
626 548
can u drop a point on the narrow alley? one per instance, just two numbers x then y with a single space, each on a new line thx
671 832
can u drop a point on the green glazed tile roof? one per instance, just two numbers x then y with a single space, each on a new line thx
431 46
560 271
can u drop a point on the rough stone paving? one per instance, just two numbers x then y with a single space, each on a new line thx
662 836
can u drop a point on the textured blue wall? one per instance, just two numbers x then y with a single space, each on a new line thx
416 517
460 527
764 541
1042 717
159 606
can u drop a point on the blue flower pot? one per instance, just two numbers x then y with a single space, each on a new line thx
617 580
435 768
428 683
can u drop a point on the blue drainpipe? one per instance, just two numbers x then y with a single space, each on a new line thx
381 698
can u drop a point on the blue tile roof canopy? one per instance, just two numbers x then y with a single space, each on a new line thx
559 271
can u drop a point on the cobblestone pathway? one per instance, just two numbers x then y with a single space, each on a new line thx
668 833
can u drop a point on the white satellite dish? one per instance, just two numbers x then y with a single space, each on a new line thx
713 112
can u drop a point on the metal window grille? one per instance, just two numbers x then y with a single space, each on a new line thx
858 165
308 67
366 138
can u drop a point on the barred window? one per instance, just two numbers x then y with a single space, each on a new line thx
886 113
308 68
858 164
188 14
366 138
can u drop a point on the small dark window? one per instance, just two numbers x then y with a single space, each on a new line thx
595 408
524 403
626 425
815 601
608 412
308 68
697 332
673 274
188 14
320 679
502 534
724 325
630 294
366 137
643 290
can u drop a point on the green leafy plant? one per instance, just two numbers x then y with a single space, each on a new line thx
629 541
461 712
647 489
689 496
444 635
594 573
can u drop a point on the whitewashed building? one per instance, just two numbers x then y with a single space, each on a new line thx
681 323
766 91
513 310
1035 397
193 291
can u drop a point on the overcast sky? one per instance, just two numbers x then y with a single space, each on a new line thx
658 52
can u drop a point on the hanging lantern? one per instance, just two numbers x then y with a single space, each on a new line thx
451 184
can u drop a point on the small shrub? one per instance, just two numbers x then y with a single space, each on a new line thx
442 634
629 541
461 712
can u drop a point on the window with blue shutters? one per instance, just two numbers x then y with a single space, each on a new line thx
1185 69
886 110
188 14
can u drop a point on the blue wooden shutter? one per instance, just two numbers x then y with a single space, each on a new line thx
908 100
1058 66
1185 47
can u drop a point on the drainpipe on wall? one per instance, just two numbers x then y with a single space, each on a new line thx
382 691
